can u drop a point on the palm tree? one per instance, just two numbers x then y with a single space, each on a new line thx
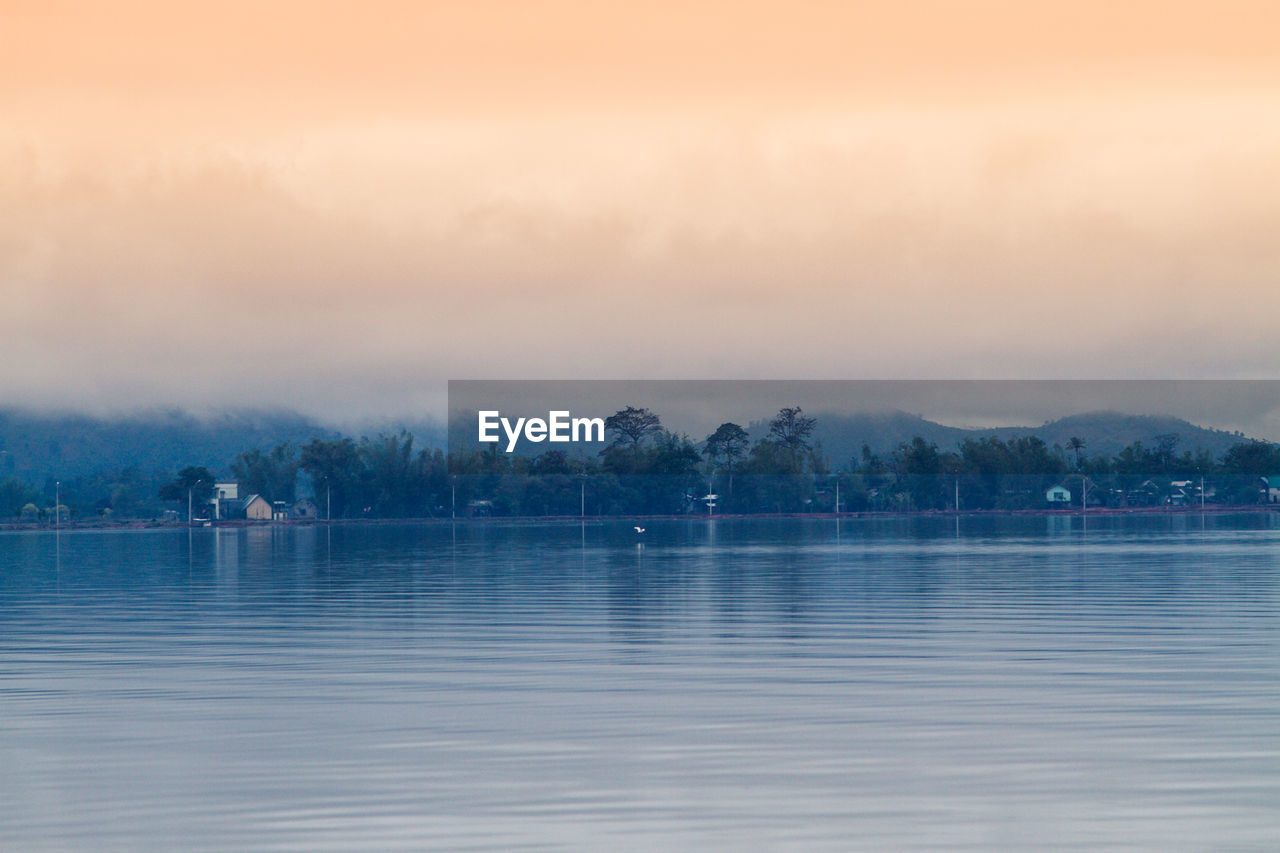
1076 444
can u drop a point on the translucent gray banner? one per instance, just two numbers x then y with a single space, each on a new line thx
695 408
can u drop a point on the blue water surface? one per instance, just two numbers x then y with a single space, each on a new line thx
1043 683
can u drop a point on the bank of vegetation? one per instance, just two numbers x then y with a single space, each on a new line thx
645 469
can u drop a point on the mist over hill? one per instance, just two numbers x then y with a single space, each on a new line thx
426 433
1104 433
37 446
1107 433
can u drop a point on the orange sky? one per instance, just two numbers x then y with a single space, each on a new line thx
422 55
337 206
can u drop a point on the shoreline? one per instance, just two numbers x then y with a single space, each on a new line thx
556 520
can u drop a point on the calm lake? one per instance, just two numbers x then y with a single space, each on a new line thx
908 684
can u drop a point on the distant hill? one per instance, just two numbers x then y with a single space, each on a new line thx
37 446
1104 433
842 435
1107 433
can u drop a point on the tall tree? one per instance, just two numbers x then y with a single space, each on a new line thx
335 470
791 429
14 494
1134 460
1166 445
395 479
1252 457
726 446
631 426
1076 444
194 481
273 475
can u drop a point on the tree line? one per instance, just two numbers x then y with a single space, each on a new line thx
646 469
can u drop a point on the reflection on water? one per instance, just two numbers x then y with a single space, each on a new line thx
779 684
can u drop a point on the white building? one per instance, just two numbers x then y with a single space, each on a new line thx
225 495
1058 495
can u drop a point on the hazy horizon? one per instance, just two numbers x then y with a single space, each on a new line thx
336 210
696 407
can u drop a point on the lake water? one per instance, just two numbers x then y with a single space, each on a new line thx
912 684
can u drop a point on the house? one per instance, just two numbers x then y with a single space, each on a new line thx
225 500
1184 493
279 510
257 508
1058 495
1270 489
304 508
1147 493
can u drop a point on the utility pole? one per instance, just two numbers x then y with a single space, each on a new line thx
57 503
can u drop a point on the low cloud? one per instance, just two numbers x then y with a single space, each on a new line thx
351 269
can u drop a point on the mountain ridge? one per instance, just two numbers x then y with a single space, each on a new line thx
1105 433
36 446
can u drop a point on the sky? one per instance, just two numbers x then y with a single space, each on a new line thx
337 206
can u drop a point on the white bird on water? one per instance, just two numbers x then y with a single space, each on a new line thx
639 530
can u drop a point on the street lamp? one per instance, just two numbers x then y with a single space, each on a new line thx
191 488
